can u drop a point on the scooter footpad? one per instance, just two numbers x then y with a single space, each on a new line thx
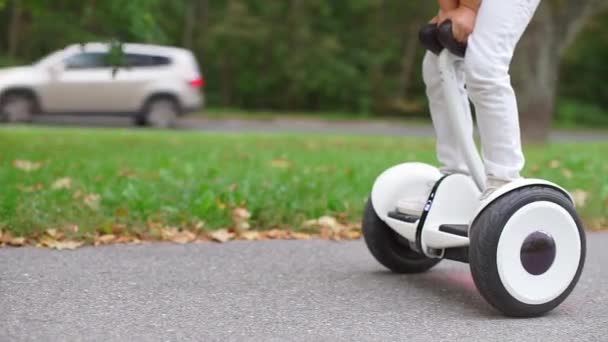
455 229
403 217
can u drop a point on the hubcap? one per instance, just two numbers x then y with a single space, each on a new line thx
538 253
528 264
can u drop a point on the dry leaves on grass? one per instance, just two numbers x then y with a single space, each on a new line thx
111 239
330 228
26 165
554 164
7 239
31 188
280 163
178 236
580 197
62 183
240 218
599 224
55 239
92 201
325 227
222 235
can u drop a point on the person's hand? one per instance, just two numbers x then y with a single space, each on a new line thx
463 22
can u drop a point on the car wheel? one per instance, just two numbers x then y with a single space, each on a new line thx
17 108
161 113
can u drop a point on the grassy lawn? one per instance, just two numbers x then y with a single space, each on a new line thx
95 179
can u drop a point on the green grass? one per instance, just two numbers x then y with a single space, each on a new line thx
177 178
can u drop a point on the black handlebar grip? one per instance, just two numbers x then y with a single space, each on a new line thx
445 35
428 38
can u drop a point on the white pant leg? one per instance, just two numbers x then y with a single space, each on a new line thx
448 151
500 24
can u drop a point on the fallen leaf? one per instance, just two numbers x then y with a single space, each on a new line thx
16 242
240 214
52 232
221 205
129 240
121 212
104 239
72 227
26 165
32 188
554 164
128 173
276 234
198 225
92 201
534 168
183 237
328 221
250 235
353 234
580 197
301 236
567 173
222 235
67 245
240 217
62 183
280 163
47 241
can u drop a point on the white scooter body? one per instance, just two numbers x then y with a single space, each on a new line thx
455 202
456 199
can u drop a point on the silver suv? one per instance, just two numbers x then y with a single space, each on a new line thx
155 84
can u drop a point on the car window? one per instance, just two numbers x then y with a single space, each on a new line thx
134 60
87 60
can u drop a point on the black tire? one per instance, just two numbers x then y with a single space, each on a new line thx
389 248
484 236
17 107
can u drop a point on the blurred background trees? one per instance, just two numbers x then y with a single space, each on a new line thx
357 56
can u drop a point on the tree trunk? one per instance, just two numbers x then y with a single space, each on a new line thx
14 30
201 29
189 21
535 72
408 58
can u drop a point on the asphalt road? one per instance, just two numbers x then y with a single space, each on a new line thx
268 291
282 125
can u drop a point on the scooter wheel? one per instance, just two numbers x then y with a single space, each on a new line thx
527 251
389 248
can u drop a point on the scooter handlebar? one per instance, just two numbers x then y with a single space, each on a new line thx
437 37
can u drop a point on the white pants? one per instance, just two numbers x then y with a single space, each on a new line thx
500 24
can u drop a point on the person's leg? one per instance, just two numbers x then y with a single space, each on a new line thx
448 152
500 24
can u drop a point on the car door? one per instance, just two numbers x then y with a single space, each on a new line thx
142 74
134 79
85 83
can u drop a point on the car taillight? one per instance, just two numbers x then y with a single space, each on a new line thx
198 83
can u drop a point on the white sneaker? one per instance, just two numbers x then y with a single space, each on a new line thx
492 184
415 205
